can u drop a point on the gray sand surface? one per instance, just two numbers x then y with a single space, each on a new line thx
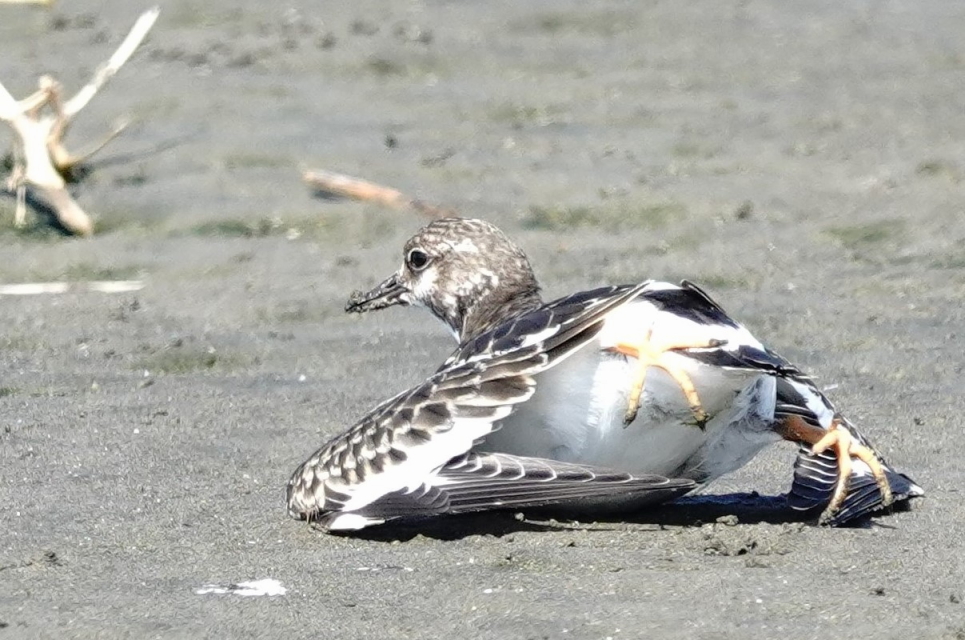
804 161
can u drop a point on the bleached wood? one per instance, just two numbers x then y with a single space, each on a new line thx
134 38
9 109
69 213
358 189
98 286
43 160
64 159
355 188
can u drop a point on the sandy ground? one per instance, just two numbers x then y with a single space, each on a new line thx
802 160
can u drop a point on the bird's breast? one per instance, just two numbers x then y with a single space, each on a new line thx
577 415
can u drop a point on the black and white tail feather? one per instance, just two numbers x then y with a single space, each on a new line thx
412 456
815 476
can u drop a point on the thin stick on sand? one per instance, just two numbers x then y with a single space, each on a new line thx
99 286
344 186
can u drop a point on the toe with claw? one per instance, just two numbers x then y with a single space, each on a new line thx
651 353
846 447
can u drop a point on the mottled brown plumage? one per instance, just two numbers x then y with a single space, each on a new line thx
411 456
692 366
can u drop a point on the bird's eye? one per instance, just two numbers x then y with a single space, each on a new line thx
418 259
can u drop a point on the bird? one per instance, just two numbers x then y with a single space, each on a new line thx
414 455
670 384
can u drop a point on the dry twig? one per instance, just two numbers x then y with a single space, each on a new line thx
357 189
40 160
100 286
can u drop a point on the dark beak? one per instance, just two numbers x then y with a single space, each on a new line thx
390 292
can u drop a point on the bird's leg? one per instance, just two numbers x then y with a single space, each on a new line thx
651 353
845 448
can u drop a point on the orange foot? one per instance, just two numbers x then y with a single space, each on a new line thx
846 447
649 354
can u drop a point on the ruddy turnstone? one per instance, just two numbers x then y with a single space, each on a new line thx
669 384
413 455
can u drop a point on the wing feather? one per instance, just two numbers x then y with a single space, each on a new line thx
419 431
480 481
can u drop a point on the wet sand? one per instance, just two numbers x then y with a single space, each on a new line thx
802 161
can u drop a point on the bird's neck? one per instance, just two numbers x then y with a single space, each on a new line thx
496 308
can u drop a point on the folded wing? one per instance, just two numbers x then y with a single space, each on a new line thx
481 481
408 456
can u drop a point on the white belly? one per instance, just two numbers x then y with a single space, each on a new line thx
577 414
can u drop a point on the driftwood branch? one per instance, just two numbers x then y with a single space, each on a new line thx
344 186
40 121
134 38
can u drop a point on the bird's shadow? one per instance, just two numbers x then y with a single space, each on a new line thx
689 511
694 511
